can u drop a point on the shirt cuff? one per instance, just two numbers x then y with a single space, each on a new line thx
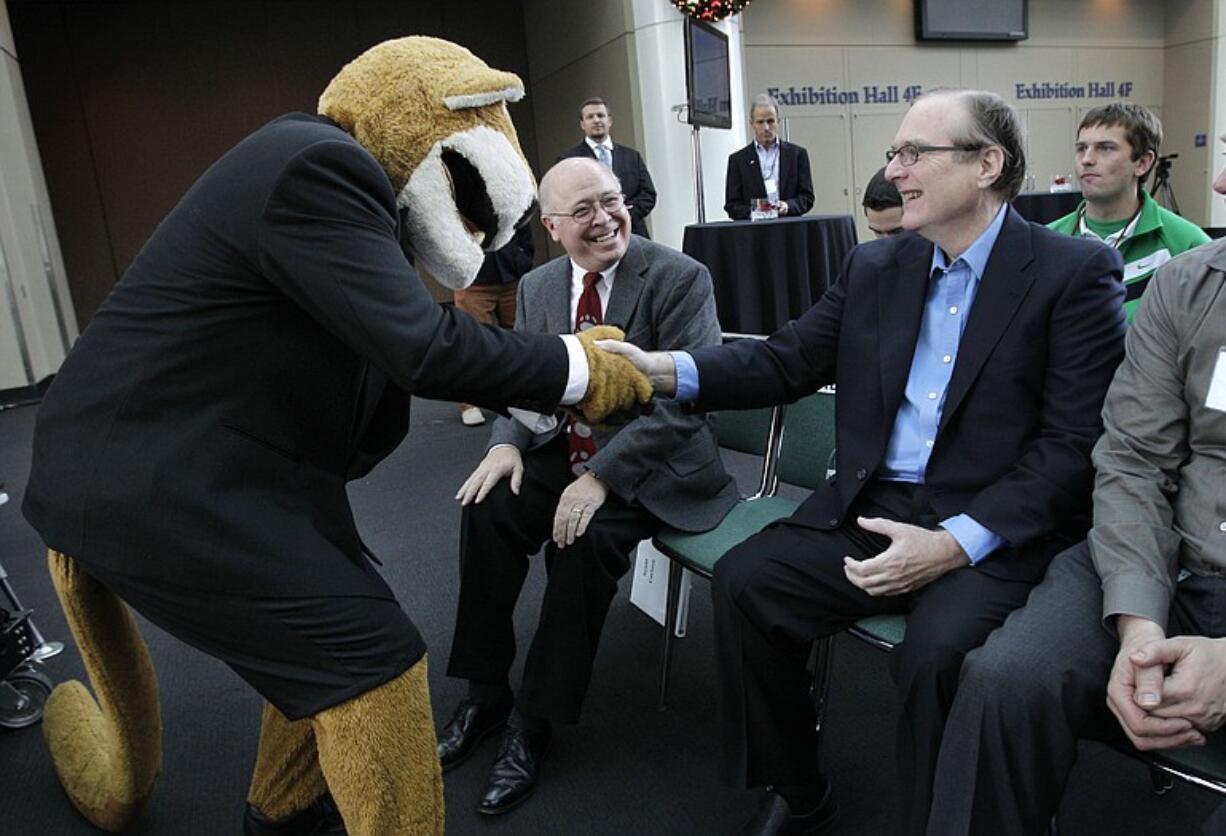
576 384
687 376
534 421
977 541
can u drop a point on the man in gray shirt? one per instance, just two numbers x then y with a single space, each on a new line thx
1137 612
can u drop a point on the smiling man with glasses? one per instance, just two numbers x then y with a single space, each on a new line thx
589 494
971 354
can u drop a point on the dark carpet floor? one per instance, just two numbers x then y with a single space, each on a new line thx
624 769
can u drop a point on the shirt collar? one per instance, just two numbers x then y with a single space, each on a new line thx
773 149
606 276
976 255
607 143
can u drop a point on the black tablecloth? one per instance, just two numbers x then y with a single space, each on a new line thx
1045 207
769 272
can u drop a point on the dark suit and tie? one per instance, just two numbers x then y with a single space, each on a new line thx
744 180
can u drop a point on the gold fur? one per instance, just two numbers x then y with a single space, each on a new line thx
287 777
380 756
613 384
107 757
395 109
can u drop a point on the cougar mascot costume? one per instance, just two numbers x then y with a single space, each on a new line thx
192 454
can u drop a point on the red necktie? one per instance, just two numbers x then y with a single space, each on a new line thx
579 434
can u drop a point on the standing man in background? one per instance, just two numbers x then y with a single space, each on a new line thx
491 296
1117 147
627 164
768 168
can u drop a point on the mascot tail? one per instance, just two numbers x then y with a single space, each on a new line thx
107 753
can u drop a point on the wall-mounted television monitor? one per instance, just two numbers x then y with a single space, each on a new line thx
971 20
708 81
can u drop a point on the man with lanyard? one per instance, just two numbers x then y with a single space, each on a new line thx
1117 147
768 168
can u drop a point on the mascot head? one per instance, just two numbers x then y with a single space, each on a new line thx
435 117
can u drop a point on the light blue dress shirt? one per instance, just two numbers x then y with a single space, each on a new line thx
768 162
951 293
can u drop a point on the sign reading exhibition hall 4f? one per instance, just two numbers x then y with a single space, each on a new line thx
832 94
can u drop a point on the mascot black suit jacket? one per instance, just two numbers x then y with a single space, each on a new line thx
259 353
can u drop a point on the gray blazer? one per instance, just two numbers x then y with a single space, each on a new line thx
667 462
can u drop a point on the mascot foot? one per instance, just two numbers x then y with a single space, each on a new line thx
321 817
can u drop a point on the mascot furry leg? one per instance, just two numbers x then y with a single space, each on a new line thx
372 752
107 756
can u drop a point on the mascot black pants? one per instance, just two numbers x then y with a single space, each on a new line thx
302 654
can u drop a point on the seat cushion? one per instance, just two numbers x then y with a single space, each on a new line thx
891 629
700 552
1207 762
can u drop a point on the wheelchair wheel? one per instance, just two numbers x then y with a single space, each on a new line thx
22 697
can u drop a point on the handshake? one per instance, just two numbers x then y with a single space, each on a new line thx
621 376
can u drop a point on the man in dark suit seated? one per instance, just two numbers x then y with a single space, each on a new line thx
1130 622
627 164
971 356
589 494
768 168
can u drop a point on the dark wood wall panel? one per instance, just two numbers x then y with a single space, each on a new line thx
131 101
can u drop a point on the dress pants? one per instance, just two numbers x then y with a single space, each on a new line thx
497 537
781 589
1035 687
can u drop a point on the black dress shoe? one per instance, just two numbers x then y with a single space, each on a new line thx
514 773
775 818
473 722
321 817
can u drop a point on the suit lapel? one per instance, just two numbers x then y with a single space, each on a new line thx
619 162
627 286
900 309
783 167
559 318
1005 283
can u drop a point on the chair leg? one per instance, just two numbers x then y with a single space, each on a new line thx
822 667
1160 781
670 620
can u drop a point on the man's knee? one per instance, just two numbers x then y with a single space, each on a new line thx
736 572
498 505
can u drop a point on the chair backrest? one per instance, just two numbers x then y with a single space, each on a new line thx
806 451
753 431
746 431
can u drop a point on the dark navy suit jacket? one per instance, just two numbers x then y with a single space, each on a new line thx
1023 407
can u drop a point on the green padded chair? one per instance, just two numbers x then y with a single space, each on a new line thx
1204 766
797 448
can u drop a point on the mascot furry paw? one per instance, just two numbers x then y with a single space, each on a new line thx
225 446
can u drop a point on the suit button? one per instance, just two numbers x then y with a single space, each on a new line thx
861 473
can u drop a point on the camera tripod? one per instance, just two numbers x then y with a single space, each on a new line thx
1163 193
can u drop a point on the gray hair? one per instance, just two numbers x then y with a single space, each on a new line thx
764 100
992 121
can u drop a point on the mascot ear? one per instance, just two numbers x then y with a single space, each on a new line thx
492 87
435 117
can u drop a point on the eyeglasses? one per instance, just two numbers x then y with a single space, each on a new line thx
587 212
908 154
